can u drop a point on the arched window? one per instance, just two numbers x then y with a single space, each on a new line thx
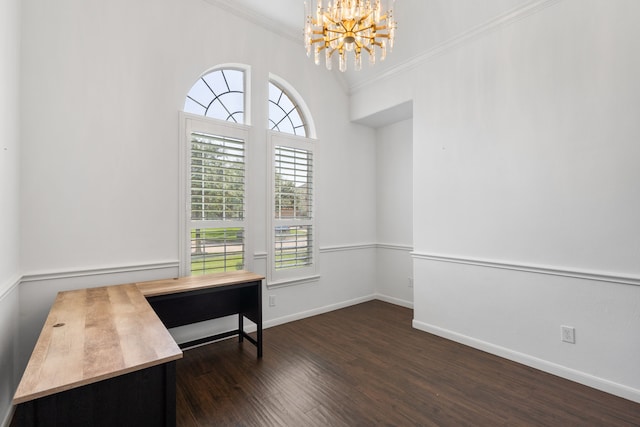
284 114
217 232
293 240
215 191
218 94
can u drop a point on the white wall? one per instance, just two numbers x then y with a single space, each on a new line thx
103 83
9 201
526 192
394 212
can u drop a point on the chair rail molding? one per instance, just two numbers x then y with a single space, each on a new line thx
599 276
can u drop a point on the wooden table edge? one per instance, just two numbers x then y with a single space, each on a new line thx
176 285
175 354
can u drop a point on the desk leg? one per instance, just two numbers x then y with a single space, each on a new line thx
259 325
240 327
259 320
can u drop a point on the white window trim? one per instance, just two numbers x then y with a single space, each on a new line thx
300 275
188 124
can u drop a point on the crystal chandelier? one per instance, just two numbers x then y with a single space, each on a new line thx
348 26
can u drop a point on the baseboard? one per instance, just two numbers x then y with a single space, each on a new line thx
320 310
598 383
395 301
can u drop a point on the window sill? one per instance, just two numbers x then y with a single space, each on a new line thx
292 282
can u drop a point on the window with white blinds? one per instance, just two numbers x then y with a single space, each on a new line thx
293 228
293 183
293 207
217 177
217 193
214 238
216 229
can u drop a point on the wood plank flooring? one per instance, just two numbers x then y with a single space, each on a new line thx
365 366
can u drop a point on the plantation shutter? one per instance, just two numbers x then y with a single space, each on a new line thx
217 177
293 202
293 183
217 201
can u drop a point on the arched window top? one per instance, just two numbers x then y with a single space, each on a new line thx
285 114
219 94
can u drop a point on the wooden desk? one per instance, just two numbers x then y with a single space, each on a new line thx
103 358
187 300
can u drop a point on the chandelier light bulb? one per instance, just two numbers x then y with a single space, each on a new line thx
348 27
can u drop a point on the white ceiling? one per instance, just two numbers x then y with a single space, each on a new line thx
423 25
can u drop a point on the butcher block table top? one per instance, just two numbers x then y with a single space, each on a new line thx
194 283
95 334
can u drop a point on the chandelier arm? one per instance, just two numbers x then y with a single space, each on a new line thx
363 29
329 40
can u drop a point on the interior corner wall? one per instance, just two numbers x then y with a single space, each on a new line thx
526 190
9 200
394 215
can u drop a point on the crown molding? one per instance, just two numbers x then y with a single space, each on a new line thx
258 19
507 18
272 26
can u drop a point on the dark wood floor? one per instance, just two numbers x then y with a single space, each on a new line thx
365 366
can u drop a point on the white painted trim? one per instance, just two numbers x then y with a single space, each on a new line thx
295 35
534 362
98 271
470 35
532 268
9 286
259 255
251 16
316 311
341 248
394 301
395 247
292 282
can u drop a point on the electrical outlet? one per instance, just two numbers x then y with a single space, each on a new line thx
411 282
272 300
568 334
